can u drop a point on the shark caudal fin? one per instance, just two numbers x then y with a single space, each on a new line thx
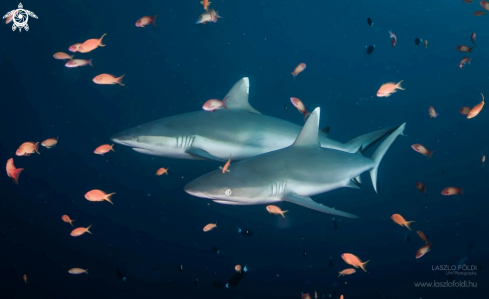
237 97
380 152
364 142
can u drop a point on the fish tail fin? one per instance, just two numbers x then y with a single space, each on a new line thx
381 151
36 147
460 191
398 85
87 229
430 154
306 113
482 98
86 271
71 222
362 265
340 274
407 224
224 103
166 172
90 62
283 212
119 80
100 40
15 175
153 19
424 190
107 198
293 75
112 147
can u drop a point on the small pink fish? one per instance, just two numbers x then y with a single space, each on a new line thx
394 38
103 149
463 48
452 191
465 60
432 112
423 250
472 37
10 16
78 62
213 105
300 106
298 69
422 150
389 88
146 20
62 56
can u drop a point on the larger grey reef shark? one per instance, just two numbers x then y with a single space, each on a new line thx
241 131
292 174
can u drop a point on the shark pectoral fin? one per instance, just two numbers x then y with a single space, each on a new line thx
203 154
311 204
237 97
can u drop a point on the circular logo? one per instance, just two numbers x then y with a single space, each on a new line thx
21 18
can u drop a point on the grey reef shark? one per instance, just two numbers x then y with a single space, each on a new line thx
240 131
292 174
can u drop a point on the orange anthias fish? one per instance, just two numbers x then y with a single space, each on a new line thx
98 195
79 62
463 48
25 278
27 148
421 187
50 142
225 168
423 250
210 227
107 79
77 271
103 149
10 16
62 56
300 106
476 110
204 18
422 150
353 260
206 4
67 219
13 172
484 4
214 104
306 296
315 294
298 69
432 112
238 268
422 236
91 44
483 159
275 210
394 38
472 37
348 271
464 110
146 20
468 1
452 191
479 13
389 88
162 171
400 220
80 231
75 47
464 61
341 297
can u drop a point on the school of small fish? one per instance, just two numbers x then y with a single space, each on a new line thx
211 15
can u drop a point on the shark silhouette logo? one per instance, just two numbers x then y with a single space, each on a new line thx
20 17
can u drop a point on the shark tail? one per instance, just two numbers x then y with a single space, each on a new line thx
364 142
379 154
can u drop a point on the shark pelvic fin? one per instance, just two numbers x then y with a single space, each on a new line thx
381 151
237 97
309 133
203 154
307 202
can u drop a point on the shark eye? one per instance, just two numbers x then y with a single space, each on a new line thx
228 192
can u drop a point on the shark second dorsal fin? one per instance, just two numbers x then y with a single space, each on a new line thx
237 97
309 133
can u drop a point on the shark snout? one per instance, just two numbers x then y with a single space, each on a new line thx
123 138
194 188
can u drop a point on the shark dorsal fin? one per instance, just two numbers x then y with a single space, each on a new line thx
237 97
309 133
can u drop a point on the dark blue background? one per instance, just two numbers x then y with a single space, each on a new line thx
154 226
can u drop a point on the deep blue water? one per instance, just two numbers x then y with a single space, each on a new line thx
154 226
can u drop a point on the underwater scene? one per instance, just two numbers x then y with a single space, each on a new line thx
244 149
